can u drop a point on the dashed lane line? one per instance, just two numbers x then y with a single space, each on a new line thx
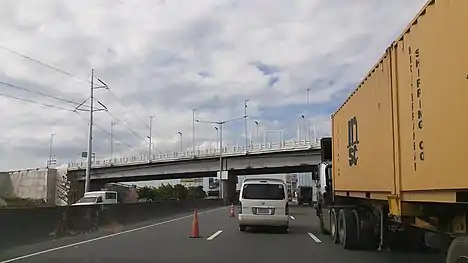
315 238
215 235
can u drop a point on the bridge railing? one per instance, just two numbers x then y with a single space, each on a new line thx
202 153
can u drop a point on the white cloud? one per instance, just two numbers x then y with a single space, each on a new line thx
164 58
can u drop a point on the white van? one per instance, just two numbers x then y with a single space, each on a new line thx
263 202
98 197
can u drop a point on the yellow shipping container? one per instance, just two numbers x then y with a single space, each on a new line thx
404 130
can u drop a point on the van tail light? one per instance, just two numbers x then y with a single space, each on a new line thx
286 209
240 207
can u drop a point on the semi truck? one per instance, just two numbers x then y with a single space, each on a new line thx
393 170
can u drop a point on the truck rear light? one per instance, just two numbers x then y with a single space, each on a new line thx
240 207
286 209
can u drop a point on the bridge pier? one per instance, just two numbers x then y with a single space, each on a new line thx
228 189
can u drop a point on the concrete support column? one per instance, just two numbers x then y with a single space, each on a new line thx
229 189
224 185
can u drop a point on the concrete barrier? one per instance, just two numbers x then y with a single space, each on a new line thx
31 225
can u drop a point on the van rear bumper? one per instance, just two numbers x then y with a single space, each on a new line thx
263 220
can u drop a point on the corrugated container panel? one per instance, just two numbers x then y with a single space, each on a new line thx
364 123
432 86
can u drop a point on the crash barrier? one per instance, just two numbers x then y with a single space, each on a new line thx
21 226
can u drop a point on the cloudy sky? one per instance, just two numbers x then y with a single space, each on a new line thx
163 58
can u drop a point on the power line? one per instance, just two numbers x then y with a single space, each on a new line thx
38 93
123 104
105 131
76 77
126 125
68 74
36 102
44 64
130 129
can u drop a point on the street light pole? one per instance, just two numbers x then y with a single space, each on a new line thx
112 140
49 162
181 146
304 124
150 137
217 136
308 115
256 134
220 128
245 126
193 130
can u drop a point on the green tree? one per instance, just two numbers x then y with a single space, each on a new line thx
196 192
180 192
166 192
146 192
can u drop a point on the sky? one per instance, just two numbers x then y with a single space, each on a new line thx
164 58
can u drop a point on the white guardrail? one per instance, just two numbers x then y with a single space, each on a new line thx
203 153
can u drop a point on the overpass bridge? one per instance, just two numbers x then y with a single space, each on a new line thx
271 158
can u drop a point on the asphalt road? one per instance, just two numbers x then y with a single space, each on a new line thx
168 241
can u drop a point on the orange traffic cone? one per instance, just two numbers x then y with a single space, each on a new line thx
195 229
231 211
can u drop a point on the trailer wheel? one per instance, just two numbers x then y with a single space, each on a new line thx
347 229
334 226
357 218
458 250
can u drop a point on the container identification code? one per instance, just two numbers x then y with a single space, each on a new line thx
416 107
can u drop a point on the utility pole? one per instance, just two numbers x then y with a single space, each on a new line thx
245 126
150 137
90 132
112 140
193 130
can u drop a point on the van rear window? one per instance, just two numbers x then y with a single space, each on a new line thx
263 191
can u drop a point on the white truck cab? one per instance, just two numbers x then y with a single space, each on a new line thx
98 197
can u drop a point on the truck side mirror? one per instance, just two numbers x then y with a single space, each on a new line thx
326 149
315 176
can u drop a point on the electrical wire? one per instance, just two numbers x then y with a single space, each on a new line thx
105 131
38 93
126 125
36 102
72 76
44 64
123 104
131 130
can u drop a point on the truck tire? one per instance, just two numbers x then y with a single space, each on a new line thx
357 218
458 250
334 226
347 229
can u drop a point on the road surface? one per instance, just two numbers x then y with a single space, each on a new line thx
168 241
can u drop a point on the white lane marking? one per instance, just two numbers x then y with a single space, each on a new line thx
316 239
105 237
215 235
292 217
